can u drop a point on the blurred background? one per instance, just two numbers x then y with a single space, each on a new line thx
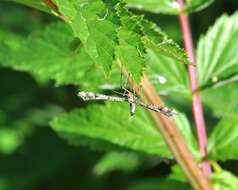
33 157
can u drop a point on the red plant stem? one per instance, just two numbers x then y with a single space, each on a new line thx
196 100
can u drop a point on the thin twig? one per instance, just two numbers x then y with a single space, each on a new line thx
196 100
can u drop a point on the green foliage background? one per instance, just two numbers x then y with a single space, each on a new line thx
50 139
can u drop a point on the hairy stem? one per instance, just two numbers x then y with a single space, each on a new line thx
196 100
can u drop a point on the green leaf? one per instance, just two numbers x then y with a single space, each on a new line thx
123 161
111 124
164 58
53 53
162 6
103 30
224 180
217 52
66 8
104 27
168 6
168 48
159 42
225 95
129 55
9 43
48 54
100 28
222 144
92 23
167 75
131 51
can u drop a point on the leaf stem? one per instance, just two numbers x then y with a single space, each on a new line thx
175 141
196 100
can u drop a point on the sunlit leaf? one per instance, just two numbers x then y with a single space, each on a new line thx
217 52
98 34
131 43
49 54
160 43
225 95
105 31
162 6
132 33
222 144
113 125
166 74
168 6
223 180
